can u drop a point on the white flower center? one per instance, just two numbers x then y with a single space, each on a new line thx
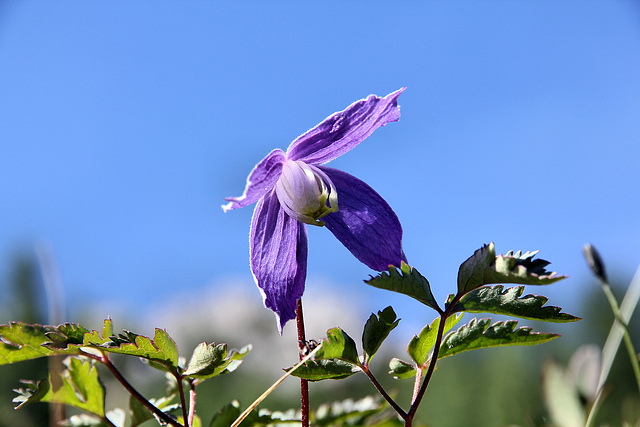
304 190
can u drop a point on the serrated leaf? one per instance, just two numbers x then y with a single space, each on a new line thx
420 346
407 281
478 334
484 268
20 341
161 351
78 385
376 330
325 369
510 302
401 370
338 345
209 360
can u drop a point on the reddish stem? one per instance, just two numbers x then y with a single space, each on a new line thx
304 384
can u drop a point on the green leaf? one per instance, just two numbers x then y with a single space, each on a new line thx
161 351
510 302
226 415
209 360
78 385
401 370
338 345
407 281
420 346
325 369
484 268
478 334
20 341
376 330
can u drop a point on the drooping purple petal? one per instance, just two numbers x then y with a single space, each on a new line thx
278 255
365 224
342 131
261 180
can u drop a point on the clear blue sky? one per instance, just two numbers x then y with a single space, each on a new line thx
123 125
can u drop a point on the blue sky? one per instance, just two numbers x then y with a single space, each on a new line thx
123 125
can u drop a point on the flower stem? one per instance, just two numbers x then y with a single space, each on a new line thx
304 384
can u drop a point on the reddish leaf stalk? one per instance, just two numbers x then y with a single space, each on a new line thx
104 359
183 402
304 384
192 403
382 392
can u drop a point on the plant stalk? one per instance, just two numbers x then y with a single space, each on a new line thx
164 417
304 384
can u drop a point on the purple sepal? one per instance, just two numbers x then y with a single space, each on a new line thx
278 257
342 131
261 180
365 224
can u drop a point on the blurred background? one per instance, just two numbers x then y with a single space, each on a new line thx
124 125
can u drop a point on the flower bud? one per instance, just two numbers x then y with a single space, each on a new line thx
306 193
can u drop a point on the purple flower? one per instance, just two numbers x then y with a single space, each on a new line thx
293 189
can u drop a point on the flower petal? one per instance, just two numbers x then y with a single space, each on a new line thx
278 257
342 131
365 224
261 180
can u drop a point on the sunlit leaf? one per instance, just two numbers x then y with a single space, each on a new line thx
484 268
338 345
510 302
376 331
401 370
325 369
406 281
20 341
420 345
478 334
209 360
161 350
78 385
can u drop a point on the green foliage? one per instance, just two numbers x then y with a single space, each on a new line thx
209 360
368 411
78 385
338 345
510 302
161 351
401 370
407 281
376 331
478 334
140 414
325 369
484 268
20 341
420 345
